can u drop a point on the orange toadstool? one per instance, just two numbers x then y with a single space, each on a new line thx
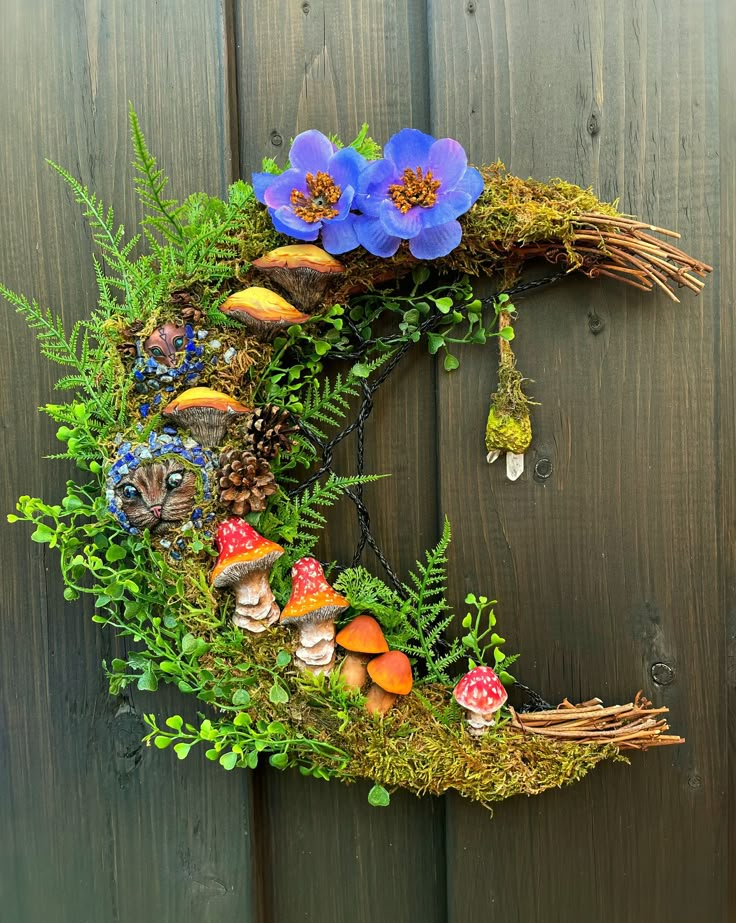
244 564
263 312
391 675
302 270
205 413
363 636
313 606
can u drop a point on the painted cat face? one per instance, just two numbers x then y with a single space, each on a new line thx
164 343
158 496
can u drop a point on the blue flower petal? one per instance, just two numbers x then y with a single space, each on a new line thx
402 224
448 206
408 148
261 182
343 205
372 236
472 183
311 151
373 186
346 166
285 221
447 161
279 192
438 241
340 236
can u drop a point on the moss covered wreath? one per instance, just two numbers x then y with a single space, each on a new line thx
204 420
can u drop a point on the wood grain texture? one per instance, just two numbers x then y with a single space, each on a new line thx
332 66
95 827
611 564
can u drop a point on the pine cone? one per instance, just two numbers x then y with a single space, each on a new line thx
127 347
188 310
245 482
266 431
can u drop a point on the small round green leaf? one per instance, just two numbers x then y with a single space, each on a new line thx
378 797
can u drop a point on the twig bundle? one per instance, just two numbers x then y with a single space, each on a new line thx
634 726
621 249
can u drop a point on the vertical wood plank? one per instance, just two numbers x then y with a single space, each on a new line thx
94 826
331 66
726 398
611 564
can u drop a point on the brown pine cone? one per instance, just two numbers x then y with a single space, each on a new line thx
127 347
245 482
188 310
266 431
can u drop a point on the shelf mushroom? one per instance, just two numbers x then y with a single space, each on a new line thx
205 413
313 606
262 312
245 561
302 270
481 693
391 675
363 637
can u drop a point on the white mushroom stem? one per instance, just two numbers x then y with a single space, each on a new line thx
354 672
316 651
255 606
478 723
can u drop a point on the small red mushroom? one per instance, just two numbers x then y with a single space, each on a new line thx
481 693
244 564
363 636
313 606
392 676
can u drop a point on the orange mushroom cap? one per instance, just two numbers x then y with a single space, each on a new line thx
205 397
263 305
312 598
392 672
242 550
363 635
299 256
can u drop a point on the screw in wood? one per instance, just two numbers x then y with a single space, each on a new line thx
276 139
543 468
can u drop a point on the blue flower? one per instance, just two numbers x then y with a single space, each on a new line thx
416 193
316 194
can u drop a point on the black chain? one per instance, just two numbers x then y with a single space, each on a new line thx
327 448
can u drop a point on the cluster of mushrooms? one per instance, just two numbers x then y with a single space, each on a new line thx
303 271
243 566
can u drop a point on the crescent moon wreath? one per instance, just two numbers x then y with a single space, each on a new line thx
210 386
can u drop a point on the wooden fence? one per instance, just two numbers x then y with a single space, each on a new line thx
612 558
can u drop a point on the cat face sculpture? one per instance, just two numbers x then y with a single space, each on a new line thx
159 495
157 484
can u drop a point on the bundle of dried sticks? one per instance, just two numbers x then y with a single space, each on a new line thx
620 248
635 726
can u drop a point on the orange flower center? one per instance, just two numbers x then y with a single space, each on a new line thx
319 204
416 189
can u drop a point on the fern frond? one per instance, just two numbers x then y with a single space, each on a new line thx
150 185
107 237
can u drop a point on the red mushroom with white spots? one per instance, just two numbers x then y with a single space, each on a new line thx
313 606
481 693
245 561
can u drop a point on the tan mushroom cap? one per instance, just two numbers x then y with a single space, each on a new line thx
205 397
300 256
363 636
392 672
264 306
